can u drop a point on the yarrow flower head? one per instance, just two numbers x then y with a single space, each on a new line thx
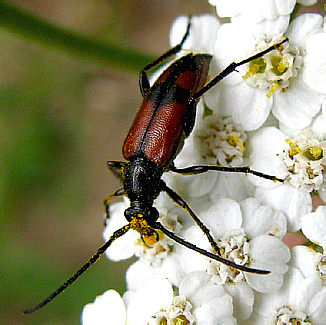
275 70
273 83
249 235
243 219
300 301
133 244
304 157
199 300
220 141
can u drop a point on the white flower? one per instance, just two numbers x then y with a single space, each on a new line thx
220 141
211 304
299 301
299 159
314 226
253 10
198 300
272 83
108 308
172 284
202 33
132 244
314 72
159 258
247 234
216 140
309 262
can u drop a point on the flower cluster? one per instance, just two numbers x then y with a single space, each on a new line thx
271 115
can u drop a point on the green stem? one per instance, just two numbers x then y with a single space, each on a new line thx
25 24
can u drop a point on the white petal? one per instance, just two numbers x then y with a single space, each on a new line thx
107 308
227 8
226 52
319 125
261 219
300 297
297 106
267 140
303 258
314 226
303 27
123 247
314 71
271 9
271 28
211 305
266 304
250 107
139 271
193 282
157 293
199 185
293 202
234 186
317 307
268 253
265 146
243 299
216 311
223 216
202 34
190 260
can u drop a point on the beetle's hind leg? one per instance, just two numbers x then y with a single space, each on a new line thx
143 78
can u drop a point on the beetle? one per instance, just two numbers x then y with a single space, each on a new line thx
165 118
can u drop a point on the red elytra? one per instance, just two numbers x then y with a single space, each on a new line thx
159 124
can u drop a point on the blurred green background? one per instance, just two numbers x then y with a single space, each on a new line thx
62 117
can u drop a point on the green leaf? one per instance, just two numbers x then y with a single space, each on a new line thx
25 24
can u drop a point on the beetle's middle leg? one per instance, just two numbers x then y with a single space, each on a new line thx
193 170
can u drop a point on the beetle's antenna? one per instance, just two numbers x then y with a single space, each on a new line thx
183 242
120 232
176 198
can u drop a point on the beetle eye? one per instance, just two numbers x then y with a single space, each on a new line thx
153 214
128 214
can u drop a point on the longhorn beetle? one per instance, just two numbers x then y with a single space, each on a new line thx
165 118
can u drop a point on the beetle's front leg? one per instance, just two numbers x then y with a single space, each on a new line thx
116 168
108 200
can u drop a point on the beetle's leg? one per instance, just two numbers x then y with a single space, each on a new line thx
183 242
108 200
115 165
120 232
232 67
116 168
143 78
193 170
176 198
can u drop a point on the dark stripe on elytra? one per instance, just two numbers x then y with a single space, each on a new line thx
178 95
